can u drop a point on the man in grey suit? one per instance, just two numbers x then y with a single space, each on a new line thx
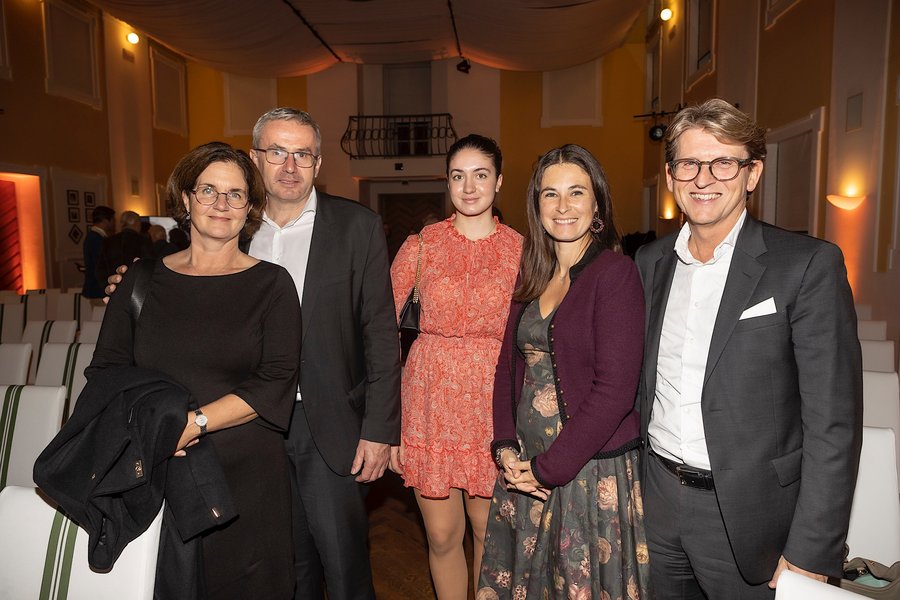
348 409
751 395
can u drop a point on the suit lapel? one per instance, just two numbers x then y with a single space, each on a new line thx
743 275
661 283
317 264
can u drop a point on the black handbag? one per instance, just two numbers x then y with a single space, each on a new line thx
412 310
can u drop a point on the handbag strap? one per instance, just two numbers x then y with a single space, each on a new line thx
418 272
143 271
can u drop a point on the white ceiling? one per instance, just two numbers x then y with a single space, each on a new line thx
280 38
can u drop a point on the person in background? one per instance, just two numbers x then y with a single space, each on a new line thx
751 399
469 264
103 225
124 247
566 519
179 238
161 246
226 326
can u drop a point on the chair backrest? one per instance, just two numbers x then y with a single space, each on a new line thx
44 550
14 361
70 306
30 416
35 307
871 330
794 586
875 517
7 296
881 403
64 364
878 355
97 313
863 311
89 332
38 333
12 323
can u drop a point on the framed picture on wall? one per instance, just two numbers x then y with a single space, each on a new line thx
72 197
74 214
89 200
87 215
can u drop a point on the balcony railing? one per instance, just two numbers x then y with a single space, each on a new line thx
393 136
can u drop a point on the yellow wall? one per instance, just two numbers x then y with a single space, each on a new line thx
617 144
37 128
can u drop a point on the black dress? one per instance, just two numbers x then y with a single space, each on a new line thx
240 334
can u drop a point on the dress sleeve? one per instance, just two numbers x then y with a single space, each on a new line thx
272 389
115 343
403 271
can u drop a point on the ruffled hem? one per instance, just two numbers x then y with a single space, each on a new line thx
434 474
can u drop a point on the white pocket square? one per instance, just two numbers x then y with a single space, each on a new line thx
766 307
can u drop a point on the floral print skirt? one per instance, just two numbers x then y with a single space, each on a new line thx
587 540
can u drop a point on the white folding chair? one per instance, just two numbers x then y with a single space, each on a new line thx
9 296
30 417
875 517
878 355
64 364
35 307
70 306
863 311
14 361
871 330
97 312
12 323
794 586
43 550
89 332
38 333
881 403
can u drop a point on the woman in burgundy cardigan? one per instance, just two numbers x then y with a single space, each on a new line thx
566 519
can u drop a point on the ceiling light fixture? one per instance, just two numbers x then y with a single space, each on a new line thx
463 66
133 38
657 132
665 14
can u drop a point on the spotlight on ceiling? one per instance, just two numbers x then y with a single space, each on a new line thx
464 66
657 132
665 14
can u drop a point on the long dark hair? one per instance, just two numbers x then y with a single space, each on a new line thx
538 253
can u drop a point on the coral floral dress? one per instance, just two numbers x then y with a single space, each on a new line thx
465 288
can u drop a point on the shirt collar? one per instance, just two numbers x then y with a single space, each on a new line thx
310 208
99 230
684 254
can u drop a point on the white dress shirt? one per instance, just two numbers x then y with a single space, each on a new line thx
676 423
288 246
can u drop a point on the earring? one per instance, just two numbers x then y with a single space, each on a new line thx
596 223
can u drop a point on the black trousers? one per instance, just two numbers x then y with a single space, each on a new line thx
690 556
331 527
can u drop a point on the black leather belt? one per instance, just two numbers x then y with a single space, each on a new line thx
689 476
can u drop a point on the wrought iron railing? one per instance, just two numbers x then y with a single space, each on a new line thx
392 136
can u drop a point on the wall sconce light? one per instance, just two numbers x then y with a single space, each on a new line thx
133 38
845 202
665 14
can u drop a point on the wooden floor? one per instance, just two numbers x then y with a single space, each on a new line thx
397 541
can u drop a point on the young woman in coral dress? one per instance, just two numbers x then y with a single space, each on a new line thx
468 272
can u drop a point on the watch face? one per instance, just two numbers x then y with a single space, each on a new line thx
201 420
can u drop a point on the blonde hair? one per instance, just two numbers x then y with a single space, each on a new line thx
723 121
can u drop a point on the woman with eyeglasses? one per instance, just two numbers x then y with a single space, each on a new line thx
225 326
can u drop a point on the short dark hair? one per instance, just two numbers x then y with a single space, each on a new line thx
184 178
483 144
538 253
102 213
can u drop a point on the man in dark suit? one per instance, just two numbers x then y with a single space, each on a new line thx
123 247
103 225
751 395
347 413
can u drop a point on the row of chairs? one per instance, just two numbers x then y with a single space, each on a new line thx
59 364
15 318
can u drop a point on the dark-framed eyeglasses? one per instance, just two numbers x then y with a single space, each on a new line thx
207 195
277 156
724 168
